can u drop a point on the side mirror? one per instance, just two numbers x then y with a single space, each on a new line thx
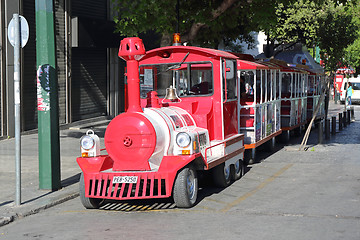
229 69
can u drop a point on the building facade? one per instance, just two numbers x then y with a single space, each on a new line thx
90 75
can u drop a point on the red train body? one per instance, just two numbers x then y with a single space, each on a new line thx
184 115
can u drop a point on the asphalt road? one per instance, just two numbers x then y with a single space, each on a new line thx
313 194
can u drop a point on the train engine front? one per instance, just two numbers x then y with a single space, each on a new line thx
151 151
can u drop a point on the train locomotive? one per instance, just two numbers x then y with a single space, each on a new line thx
187 113
181 119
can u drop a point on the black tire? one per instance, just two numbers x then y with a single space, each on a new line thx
185 188
270 145
237 170
285 136
221 175
89 203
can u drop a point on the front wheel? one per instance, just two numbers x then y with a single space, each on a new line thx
89 203
185 188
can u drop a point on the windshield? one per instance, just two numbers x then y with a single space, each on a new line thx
189 79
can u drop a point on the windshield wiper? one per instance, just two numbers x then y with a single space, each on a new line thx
176 66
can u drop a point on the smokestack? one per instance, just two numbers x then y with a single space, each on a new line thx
132 50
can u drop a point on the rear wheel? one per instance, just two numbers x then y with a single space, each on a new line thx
185 188
237 170
221 175
89 203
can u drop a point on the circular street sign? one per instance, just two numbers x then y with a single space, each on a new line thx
24 31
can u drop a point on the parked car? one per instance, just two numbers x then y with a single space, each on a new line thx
355 83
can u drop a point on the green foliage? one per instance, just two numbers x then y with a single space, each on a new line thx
337 31
352 52
328 24
297 22
202 22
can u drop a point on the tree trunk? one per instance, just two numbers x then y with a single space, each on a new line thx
196 27
166 40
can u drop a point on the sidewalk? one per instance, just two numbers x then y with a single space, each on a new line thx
34 200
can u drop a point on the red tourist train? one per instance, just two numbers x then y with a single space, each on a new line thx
188 111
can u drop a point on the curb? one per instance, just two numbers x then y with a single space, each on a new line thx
27 212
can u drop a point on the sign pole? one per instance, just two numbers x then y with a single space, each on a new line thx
48 121
17 107
18 35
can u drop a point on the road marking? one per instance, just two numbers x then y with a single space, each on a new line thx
261 186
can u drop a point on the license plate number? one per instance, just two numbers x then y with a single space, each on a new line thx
125 179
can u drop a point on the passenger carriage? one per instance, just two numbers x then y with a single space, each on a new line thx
316 82
293 82
260 108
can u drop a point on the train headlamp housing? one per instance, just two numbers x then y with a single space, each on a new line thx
183 139
90 144
87 142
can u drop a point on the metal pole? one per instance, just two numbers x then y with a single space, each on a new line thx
17 108
327 128
340 122
320 132
333 125
48 121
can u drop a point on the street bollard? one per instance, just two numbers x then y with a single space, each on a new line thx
344 119
340 122
333 125
320 132
327 129
352 115
348 116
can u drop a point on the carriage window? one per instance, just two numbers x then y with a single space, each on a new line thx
269 84
249 78
263 93
294 84
277 84
258 85
285 85
310 85
189 79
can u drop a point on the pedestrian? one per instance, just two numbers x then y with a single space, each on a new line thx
242 87
349 92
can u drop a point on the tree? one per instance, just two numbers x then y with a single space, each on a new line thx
326 24
297 22
201 22
352 52
336 32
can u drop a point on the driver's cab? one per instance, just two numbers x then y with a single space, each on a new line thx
188 79
199 80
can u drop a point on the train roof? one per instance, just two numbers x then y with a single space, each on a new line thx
206 52
248 65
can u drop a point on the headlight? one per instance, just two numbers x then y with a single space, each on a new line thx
87 142
183 139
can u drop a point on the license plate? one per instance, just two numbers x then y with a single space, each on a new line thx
125 179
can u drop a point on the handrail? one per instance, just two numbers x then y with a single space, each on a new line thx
223 142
